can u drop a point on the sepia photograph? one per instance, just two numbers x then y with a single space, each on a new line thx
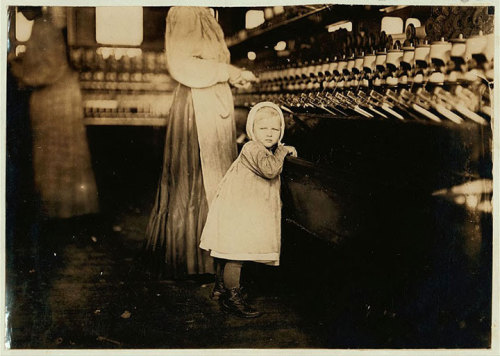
282 178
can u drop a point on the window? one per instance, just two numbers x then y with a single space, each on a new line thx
340 25
268 13
119 25
415 22
23 27
214 13
278 10
254 18
280 46
20 49
392 25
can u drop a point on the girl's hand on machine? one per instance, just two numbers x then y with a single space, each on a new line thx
291 151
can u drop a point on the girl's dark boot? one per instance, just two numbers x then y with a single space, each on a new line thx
232 302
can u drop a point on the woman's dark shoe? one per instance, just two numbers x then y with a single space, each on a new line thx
232 302
218 290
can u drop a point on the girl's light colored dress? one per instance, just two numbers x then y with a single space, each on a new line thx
244 220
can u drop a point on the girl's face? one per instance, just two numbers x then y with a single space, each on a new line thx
267 129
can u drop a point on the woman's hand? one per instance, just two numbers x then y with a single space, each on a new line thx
241 78
248 76
291 151
242 85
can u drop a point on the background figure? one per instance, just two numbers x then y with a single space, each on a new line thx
200 142
63 173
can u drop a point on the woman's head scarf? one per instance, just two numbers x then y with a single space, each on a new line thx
253 113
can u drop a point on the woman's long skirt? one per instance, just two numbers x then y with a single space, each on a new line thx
180 209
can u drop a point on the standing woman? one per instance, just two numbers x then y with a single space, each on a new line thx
63 173
200 142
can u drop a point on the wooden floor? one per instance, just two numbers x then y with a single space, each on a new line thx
90 291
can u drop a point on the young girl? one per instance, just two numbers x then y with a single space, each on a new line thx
244 220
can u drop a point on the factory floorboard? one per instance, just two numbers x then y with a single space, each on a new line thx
90 291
